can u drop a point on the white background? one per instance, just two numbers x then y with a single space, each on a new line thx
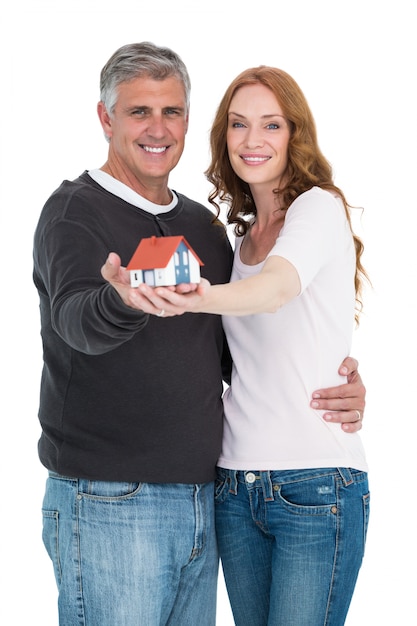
355 61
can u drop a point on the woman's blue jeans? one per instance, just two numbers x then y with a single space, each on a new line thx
132 554
291 543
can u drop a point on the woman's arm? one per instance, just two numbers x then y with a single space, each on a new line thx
274 286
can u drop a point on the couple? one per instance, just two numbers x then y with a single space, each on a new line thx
131 401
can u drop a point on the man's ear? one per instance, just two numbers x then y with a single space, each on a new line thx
105 119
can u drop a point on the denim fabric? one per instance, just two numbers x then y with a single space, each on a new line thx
291 543
128 554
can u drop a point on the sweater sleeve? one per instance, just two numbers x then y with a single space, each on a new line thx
84 310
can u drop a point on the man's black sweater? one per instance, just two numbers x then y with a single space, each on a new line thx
125 396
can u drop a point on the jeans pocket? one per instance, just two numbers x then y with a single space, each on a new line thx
221 489
50 538
108 490
309 496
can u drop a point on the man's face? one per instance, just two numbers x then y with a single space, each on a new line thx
147 131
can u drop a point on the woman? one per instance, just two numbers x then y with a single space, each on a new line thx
292 491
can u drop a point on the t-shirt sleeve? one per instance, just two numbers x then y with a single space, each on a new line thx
314 229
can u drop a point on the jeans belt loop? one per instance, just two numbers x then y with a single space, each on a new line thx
346 475
232 475
267 486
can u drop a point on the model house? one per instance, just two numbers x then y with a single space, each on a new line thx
162 261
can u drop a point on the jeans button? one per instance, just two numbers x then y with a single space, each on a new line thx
250 477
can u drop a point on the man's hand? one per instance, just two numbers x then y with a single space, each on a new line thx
142 298
118 276
346 402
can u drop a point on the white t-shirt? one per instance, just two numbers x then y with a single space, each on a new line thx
281 358
117 188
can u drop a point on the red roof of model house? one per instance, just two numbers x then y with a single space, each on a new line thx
153 252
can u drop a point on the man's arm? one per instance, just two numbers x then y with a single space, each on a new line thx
86 313
345 403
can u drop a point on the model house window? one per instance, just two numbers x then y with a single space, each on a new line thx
149 277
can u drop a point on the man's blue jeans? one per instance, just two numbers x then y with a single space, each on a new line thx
132 554
291 543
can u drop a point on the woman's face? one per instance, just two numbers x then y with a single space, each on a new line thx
257 136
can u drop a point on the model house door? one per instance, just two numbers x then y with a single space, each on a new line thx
182 265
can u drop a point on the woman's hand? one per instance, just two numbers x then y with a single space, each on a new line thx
176 300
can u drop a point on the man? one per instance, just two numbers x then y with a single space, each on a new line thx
131 407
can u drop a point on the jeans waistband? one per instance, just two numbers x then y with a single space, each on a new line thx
251 477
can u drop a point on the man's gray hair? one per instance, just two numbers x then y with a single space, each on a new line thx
138 60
